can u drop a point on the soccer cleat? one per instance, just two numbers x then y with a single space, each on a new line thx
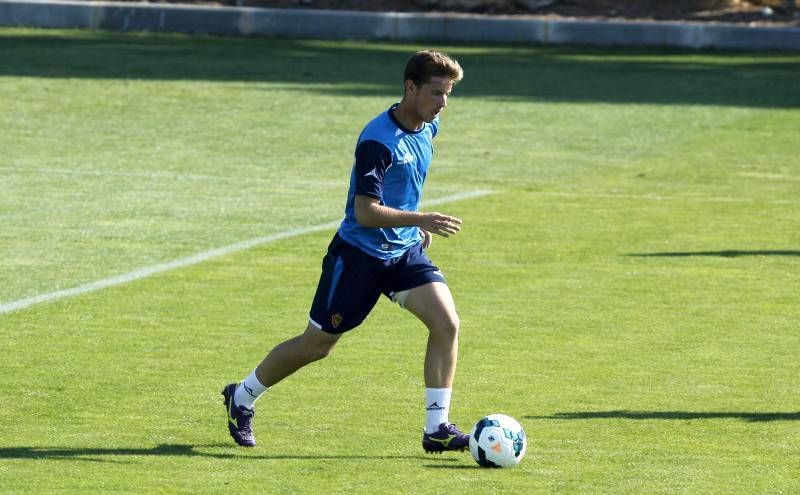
448 437
240 419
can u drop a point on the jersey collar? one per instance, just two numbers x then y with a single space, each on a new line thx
399 125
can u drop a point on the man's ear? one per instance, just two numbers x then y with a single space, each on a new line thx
411 87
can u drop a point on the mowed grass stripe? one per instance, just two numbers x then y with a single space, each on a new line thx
660 197
197 258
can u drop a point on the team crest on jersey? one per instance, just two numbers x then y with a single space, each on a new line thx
336 319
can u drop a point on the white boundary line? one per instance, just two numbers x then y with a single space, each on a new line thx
198 258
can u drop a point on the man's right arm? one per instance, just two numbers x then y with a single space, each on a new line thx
370 213
372 160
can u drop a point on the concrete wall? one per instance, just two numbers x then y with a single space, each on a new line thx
302 23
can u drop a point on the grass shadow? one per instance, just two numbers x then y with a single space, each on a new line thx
730 253
547 74
750 417
445 466
175 450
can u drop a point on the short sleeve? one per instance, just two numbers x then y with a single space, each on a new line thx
434 127
372 161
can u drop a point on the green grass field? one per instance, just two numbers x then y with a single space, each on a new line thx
628 291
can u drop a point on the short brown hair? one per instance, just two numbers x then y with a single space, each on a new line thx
425 64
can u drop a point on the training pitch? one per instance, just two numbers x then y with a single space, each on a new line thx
626 276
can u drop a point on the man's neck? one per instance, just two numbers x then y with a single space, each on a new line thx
409 120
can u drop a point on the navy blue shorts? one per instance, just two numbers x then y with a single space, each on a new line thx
353 281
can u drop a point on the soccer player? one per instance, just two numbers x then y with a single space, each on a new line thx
379 249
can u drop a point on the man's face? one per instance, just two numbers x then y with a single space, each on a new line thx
430 98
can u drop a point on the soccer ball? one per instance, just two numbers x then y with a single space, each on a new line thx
497 440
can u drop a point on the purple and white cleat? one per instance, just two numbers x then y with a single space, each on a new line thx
447 438
240 419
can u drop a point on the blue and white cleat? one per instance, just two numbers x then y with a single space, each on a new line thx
240 419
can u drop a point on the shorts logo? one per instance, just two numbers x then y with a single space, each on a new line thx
336 319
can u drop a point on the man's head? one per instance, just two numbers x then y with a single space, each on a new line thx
429 78
425 64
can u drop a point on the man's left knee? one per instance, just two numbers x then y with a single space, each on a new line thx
447 326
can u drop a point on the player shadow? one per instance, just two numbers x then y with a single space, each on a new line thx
729 253
174 450
446 466
749 417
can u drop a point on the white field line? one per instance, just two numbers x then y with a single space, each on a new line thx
194 259
757 175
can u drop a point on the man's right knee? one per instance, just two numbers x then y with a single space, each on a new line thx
319 351
317 343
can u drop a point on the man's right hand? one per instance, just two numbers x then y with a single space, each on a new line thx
440 224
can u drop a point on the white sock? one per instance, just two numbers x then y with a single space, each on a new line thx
248 392
437 407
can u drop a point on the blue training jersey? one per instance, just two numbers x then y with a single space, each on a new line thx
390 165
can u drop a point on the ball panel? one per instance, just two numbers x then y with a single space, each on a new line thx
483 461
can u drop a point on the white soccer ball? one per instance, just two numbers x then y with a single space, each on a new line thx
497 440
